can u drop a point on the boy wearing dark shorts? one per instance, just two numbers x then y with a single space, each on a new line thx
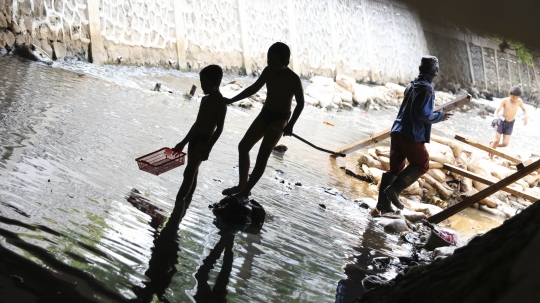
204 133
273 121
504 125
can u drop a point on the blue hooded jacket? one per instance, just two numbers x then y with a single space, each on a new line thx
416 114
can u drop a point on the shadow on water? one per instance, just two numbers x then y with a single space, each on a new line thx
361 265
162 264
165 254
52 281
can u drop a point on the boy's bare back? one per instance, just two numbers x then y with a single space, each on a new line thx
211 111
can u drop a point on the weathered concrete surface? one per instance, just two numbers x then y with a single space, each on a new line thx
373 41
52 25
500 266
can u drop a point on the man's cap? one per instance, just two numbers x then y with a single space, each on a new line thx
429 60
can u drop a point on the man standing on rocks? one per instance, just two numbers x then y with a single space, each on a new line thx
410 131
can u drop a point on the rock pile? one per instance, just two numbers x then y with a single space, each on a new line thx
324 92
439 188
345 93
52 33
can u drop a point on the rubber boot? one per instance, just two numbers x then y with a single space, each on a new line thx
383 203
402 181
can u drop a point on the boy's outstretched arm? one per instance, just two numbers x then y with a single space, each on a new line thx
251 90
217 133
299 96
180 146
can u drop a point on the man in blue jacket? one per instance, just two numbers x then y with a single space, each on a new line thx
411 129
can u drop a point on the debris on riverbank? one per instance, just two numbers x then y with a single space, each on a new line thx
495 267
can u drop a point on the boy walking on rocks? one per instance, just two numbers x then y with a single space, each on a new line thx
203 134
410 131
505 123
273 121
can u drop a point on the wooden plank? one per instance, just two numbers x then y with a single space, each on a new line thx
488 149
385 134
479 178
445 214
456 103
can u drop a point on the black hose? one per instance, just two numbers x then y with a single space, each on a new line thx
319 148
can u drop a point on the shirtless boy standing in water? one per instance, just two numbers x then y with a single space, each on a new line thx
204 133
505 123
273 121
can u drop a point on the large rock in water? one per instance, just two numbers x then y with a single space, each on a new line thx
487 94
500 266
323 93
320 80
362 94
400 90
34 53
345 82
345 95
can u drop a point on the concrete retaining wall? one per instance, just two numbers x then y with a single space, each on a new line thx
468 60
371 40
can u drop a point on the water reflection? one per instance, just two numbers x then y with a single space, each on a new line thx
143 204
162 264
371 246
218 293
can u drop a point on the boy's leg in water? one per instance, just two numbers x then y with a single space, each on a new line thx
252 136
187 200
272 134
190 173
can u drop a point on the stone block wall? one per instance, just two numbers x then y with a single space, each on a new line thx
7 39
213 34
504 73
467 60
263 32
370 40
138 32
59 27
373 41
453 61
352 43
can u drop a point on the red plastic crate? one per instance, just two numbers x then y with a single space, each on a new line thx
160 161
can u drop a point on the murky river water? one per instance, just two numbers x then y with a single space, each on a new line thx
67 170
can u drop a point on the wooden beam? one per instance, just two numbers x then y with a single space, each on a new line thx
488 149
445 214
375 138
456 103
479 178
385 134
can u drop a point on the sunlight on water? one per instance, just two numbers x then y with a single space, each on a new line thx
67 147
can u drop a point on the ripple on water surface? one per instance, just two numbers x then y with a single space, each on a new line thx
67 150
